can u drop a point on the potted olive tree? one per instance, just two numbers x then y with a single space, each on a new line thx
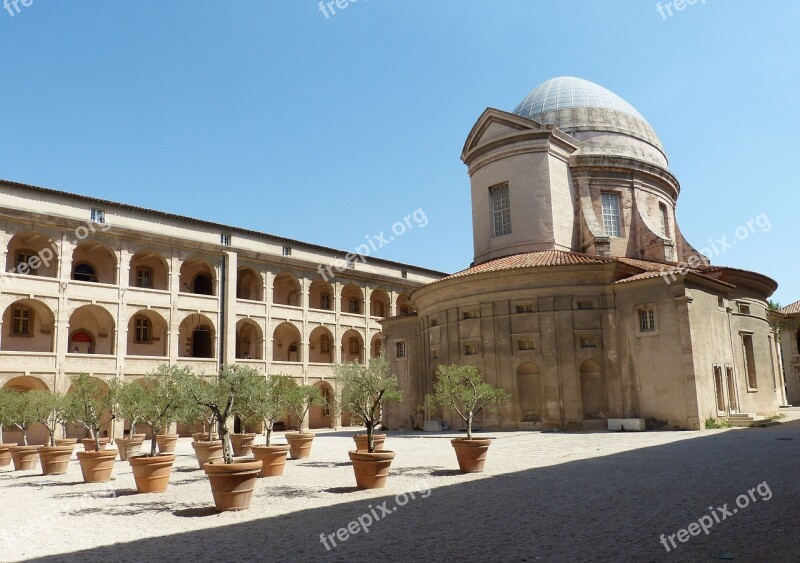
6 420
269 406
298 399
24 455
52 410
131 397
232 482
92 407
165 397
462 390
363 390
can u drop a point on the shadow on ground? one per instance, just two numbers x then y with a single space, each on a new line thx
611 508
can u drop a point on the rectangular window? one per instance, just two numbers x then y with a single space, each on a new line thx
611 214
354 306
501 210
142 330
22 324
585 305
23 265
664 219
749 361
144 277
325 302
588 342
525 308
744 308
470 315
225 239
647 320
404 274
287 250
526 344
721 302
470 349
325 344
434 322
98 216
400 349
435 354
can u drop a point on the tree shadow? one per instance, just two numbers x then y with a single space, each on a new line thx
198 512
341 490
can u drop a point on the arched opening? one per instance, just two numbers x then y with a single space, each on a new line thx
147 334
197 276
320 347
249 340
37 433
286 343
529 392
32 254
376 345
249 284
94 262
320 295
197 337
91 331
286 290
149 270
322 416
352 347
404 305
593 394
352 299
28 327
379 303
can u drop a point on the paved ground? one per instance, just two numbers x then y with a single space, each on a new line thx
544 497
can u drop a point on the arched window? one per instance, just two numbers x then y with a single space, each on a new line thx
84 272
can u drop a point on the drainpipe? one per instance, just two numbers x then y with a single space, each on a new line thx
223 287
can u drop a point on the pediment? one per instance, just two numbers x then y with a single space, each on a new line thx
494 124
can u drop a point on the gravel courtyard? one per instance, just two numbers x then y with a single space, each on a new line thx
556 496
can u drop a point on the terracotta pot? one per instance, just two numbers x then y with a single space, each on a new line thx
362 445
166 443
207 451
129 447
138 436
203 436
5 453
55 460
300 444
232 484
25 457
273 459
471 454
242 443
66 441
88 443
372 470
97 466
152 473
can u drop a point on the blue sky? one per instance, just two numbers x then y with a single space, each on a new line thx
268 115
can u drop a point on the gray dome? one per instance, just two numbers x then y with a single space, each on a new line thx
604 122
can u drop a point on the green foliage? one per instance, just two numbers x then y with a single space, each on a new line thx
162 396
715 424
364 388
51 409
269 400
91 405
233 390
461 389
297 399
20 413
773 305
130 398
7 414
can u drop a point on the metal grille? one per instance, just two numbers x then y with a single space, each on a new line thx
611 221
501 210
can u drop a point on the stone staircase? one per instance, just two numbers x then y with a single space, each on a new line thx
745 420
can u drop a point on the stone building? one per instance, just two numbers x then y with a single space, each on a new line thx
114 291
790 350
584 300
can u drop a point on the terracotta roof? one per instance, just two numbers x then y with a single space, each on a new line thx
792 309
541 259
406 316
